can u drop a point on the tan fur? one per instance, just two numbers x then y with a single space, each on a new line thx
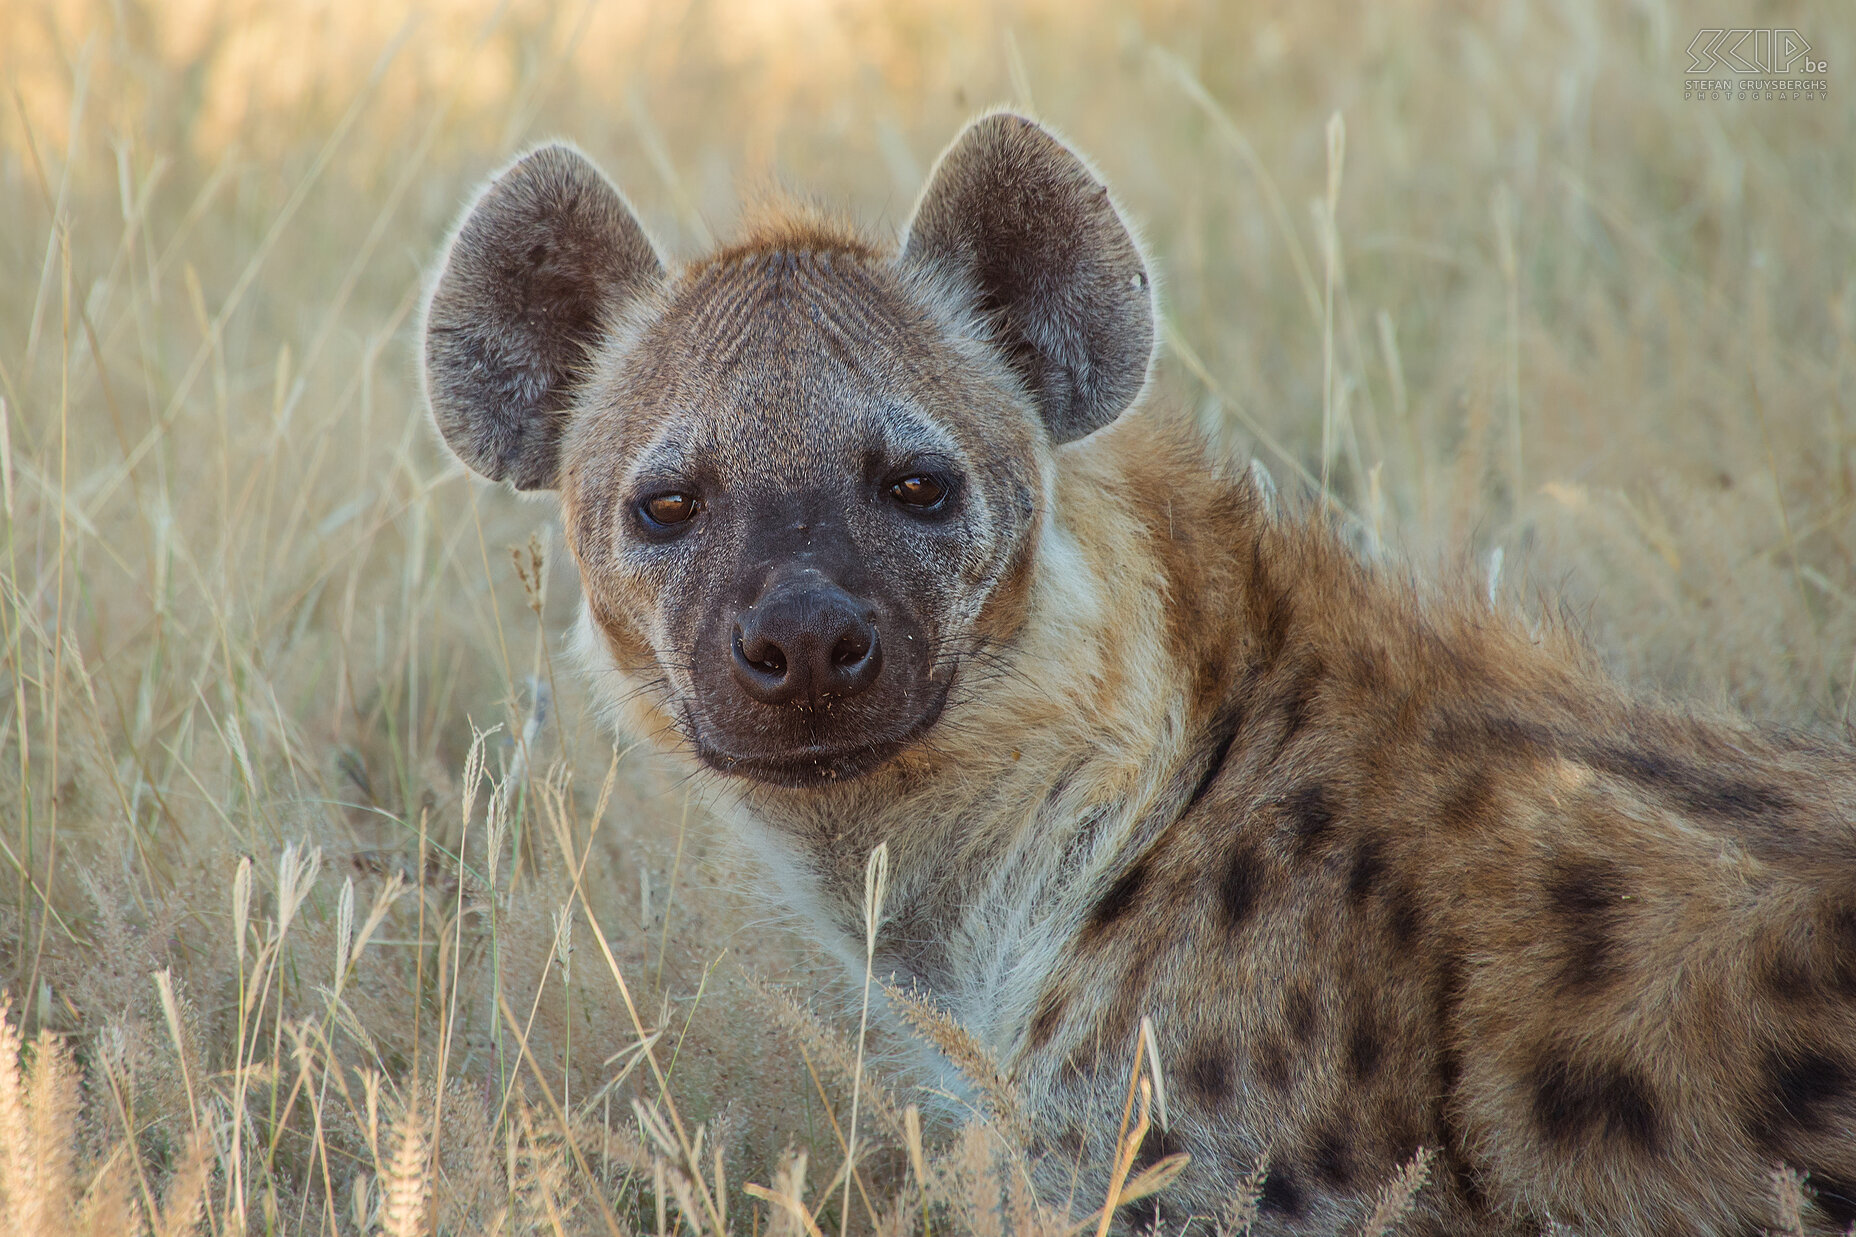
1386 869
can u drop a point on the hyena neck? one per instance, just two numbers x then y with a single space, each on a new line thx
1084 734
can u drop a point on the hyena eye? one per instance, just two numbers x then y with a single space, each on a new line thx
663 510
921 491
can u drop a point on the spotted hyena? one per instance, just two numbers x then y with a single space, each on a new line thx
881 538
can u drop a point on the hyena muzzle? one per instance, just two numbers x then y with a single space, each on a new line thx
874 536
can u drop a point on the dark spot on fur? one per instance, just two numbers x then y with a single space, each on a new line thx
1692 789
1119 899
1403 1133
1369 669
1585 898
1449 994
1452 1148
1275 613
1044 1021
1840 940
1799 1086
1824 964
1404 915
1155 1147
1065 777
1834 1197
1228 727
1574 1102
1452 736
1299 1009
1449 1066
1480 737
1241 884
1449 1071
1468 1183
1206 1073
1311 817
1272 1057
1153 1211
1467 807
1069 1145
1638 765
1786 975
1738 799
1298 703
1511 734
1281 1193
1365 1049
1369 867
1333 1158
1123 1015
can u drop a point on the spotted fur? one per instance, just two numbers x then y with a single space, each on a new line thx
1387 870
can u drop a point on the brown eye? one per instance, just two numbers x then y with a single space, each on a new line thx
920 490
673 508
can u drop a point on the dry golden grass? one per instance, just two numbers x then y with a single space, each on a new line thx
324 907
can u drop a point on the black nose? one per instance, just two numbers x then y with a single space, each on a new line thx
805 639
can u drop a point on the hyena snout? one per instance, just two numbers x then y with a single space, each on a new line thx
804 640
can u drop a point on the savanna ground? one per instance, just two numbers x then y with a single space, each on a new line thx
294 954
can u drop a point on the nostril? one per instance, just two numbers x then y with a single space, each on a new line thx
856 660
850 649
762 655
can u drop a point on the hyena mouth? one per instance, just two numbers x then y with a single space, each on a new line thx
813 760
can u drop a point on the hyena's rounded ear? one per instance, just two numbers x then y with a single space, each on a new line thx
1019 219
545 255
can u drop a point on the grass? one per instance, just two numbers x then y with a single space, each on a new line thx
324 906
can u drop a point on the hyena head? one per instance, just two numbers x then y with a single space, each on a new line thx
803 477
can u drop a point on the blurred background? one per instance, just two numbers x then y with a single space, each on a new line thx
1549 320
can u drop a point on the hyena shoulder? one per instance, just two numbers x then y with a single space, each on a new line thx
1437 882
884 543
